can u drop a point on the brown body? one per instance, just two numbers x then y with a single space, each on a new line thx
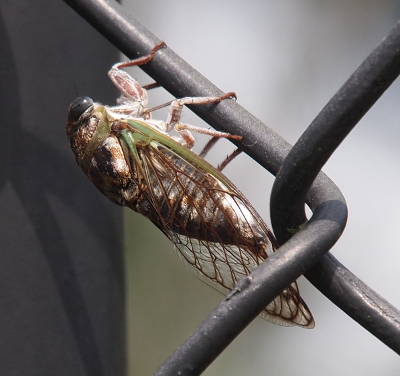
213 226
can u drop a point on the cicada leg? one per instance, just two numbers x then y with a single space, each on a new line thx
151 86
175 113
133 96
143 59
228 159
210 144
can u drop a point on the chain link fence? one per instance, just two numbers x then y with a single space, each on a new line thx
298 181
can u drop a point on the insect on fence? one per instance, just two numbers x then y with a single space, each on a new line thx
132 159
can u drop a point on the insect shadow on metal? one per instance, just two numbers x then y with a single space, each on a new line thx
131 158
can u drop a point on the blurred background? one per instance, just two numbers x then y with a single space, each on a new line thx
284 60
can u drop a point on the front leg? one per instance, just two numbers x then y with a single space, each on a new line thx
175 114
133 95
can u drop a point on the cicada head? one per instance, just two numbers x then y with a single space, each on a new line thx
98 150
82 126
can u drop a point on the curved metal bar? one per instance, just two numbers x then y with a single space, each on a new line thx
296 256
300 168
302 165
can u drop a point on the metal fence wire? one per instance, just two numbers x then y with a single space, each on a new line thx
298 181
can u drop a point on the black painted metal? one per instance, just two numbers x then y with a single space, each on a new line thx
328 130
300 168
304 252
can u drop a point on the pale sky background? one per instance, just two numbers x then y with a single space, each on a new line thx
284 60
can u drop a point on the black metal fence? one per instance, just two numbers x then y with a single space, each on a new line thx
299 180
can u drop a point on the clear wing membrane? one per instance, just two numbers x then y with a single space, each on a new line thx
213 227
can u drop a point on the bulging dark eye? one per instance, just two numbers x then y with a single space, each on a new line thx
78 107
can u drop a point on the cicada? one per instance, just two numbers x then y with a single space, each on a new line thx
132 159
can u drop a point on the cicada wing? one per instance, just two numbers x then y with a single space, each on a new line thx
221 266
290 307
213 227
